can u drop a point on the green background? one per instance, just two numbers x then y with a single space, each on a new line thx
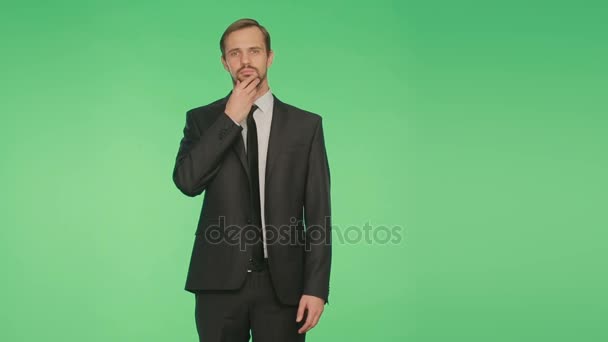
478 127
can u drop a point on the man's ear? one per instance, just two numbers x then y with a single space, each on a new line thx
224 63
270 59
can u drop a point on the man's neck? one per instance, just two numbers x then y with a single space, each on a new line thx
264 88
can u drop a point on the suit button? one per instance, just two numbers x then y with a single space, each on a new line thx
249 221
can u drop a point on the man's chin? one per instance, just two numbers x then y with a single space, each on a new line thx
242 78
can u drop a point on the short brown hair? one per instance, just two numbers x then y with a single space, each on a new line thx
241 24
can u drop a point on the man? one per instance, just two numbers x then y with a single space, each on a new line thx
262 249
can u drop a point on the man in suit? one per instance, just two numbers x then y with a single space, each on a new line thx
262 249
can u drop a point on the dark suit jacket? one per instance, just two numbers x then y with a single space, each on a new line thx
212 159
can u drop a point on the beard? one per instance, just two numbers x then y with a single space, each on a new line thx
242 77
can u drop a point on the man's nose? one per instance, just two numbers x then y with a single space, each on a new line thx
245 59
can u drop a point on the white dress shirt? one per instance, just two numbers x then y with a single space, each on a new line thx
263 118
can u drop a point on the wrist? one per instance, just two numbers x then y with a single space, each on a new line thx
232 117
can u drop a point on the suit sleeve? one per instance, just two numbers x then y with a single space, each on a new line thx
317 215
201 152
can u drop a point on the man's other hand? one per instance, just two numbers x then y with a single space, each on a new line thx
314 308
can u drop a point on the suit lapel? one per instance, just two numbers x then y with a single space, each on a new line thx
239 146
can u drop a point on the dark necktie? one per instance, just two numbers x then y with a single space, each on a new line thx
254 181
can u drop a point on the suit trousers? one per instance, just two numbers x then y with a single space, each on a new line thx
230 315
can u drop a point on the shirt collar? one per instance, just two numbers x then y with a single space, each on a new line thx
265 102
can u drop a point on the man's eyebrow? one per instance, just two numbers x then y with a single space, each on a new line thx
250 48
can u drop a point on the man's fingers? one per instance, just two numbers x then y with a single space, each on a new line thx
251 86
304 327
311 322
316 320
244 83
308 325
300 312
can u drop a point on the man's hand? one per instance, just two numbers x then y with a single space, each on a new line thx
242 98
314 307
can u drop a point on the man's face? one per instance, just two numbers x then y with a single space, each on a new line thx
245 54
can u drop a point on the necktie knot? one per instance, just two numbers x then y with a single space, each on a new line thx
250 115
